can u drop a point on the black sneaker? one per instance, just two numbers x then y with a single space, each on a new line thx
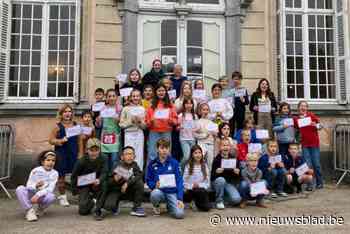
139 212
98 216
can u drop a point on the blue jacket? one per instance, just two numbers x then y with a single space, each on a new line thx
253 138
284 135
290 163
177 83
264 164
170 166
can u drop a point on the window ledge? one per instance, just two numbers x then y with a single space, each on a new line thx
327 109
37 109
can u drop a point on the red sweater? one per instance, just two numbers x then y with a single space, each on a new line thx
161 125
309 134
242 151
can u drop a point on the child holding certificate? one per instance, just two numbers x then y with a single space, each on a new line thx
132 120
96 108
87 131
273 170
225 177
252 187
199 92
125 183
196 180
248 124
298 171
65 138
87 175
133 82
204 134
284 128
220 109
147 96
308 125
164 178
109 121
224 133
161 117
241 99
40 187
242 149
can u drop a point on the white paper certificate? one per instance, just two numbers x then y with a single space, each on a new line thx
167 181
73 131
212 127
257 188
228 163
254 148
122 78
162 114
137 111
289 122
188 124
262 134
125 92
304 122
86 130
302 169
97 107
265 108
216 107
172 94
87 179
199 93
240 92
108 113
40 176
124 173
275 159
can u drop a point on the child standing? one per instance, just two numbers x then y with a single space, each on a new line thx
40 187
251 174
284 127
161 117
220 109
148 94
165 180
198 86
196 180
90 164
66 148
224 133
205 137
241 99
273 173
88 131
242 149
132 120
125 183
225 180
187 127
292 161
310 140
227 91
97 107
134 82
109 121
186 92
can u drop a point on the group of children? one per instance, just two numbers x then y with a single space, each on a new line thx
122 147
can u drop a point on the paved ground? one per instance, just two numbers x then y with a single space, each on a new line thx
328 201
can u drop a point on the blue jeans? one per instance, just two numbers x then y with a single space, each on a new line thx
186 146
157 196
112 159
244 189
275 179
152 143
311 156
223 188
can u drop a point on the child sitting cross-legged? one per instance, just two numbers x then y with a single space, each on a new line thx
163 177
125 183
250 175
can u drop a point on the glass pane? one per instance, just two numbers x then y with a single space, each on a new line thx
72 43
72 27
323 91
27 11
321 49
53 43
290 77
16 11
62 90
64 27
312 21
297 3
36 42
289 35
194 60
70 89
312 48
52 74
320 21
25 42
312 35
298 48
34 89
329 4
320 4
329 21
37 26
313 77
291 91
54 12
63 58
290 62
14 57
63 43
329 35
51 90
331 77
300 77
169 59
13 88
312 4
322 63
320 35
330 63
298 21
300 91
52 58
53 27
290 48
24 74
62 74
26 26
289 20
23 89
331 91
15 26
313 92
299 62
71 58
313 63
289 3
194 33
37 12
322 78
169 33
330 49
35 73
15 42
64 12
13 73
25 57
71 74
36 58
298 35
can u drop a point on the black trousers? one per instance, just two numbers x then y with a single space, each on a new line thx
200 196
110 199
86 203
237 121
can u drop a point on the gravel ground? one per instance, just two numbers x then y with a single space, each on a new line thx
329 201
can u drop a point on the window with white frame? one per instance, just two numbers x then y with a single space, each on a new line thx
44 50
307 49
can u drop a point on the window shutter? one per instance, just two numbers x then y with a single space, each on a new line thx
341 51
4 45
151 44
211 53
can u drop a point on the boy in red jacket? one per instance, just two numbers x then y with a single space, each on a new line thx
242 148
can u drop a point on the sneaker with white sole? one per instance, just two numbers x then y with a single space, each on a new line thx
31 215
156 211
282 194
116 210
220 206
40 211
63 200
138 211
273 195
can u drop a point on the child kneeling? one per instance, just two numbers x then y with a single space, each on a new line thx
164 179
39 188
125 183
251 175
91 165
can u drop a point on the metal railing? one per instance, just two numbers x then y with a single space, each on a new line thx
341 142
7 136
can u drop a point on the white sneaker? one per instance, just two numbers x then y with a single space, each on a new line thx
31 216
40 211
63 200
193 206
156 211
220 206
